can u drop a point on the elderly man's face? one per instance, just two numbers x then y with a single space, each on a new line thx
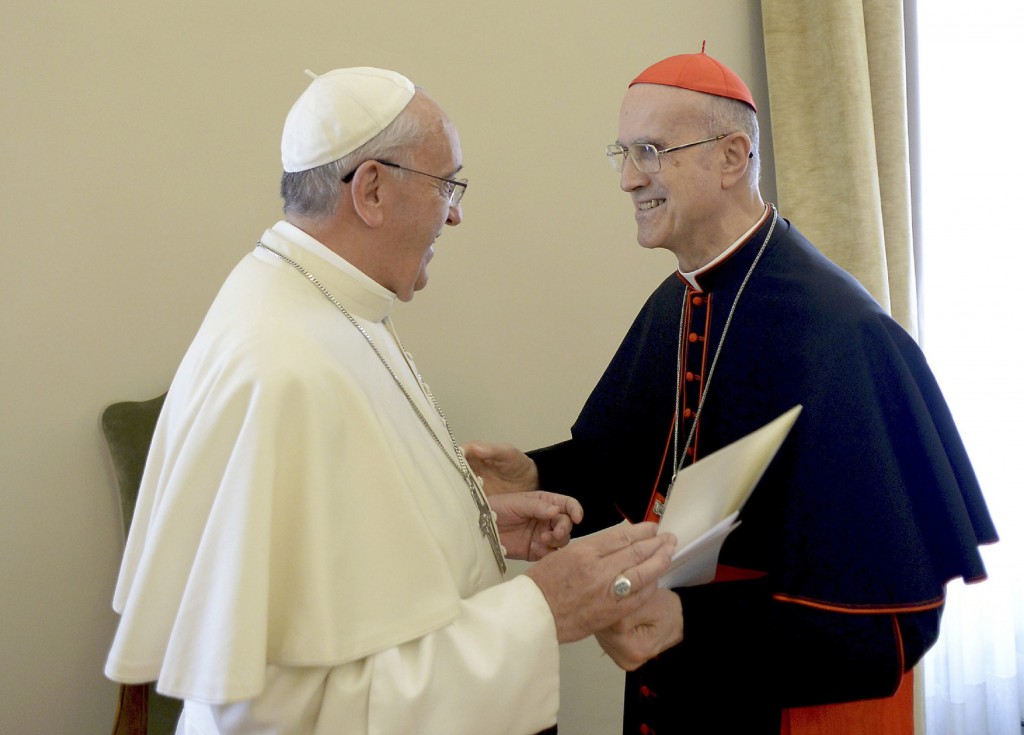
424 210
675 205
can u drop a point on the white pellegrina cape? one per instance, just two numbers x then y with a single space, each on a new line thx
302 553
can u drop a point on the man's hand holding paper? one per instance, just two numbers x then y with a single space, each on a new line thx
702 510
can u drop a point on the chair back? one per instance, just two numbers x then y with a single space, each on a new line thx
128 429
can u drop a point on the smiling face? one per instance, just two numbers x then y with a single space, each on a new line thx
676 208
422 211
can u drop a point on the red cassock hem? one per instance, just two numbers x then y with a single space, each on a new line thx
892 715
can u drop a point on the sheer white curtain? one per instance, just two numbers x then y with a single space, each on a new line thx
971 64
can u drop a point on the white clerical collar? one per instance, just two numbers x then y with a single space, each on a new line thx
362 295
691 276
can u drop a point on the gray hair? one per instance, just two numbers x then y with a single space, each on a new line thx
314 193
726 115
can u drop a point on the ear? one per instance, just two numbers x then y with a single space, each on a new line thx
737 157
367 193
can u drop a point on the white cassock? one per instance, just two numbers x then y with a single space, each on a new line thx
303 557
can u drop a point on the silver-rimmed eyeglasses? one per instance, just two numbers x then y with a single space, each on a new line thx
647 157
453 189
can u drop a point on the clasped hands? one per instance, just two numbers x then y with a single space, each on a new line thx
577 582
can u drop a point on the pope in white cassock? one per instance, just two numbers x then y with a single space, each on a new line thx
310 552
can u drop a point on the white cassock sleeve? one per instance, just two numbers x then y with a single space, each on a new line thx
494 669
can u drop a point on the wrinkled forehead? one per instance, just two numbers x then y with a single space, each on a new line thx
440 141
445 149
451 136
657 113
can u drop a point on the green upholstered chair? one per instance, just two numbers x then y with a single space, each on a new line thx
128 428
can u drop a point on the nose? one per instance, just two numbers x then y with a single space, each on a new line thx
631 177
454 215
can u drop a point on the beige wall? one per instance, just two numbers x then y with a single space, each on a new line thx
139 159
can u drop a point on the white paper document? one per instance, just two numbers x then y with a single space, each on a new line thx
705 500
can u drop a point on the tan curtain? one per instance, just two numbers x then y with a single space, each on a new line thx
838 95
837 87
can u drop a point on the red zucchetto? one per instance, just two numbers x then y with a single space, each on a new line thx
700 73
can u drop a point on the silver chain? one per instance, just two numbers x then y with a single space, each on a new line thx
486 520
676 462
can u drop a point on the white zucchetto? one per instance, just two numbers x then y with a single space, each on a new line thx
338 112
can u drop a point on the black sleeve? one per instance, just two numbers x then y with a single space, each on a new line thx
565 468
737 637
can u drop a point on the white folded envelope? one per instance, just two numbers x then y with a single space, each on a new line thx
705 500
